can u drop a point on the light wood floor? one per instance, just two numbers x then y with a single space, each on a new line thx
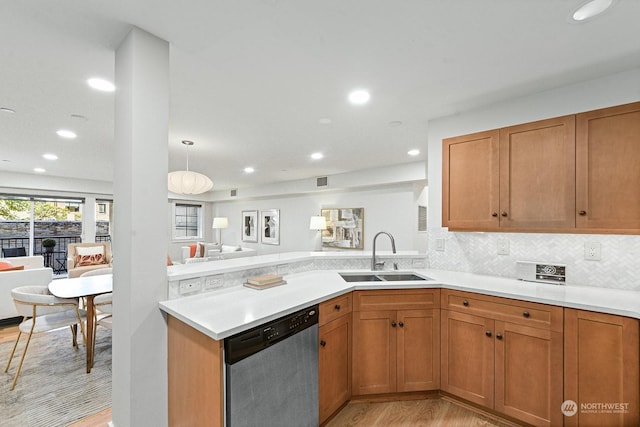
436 412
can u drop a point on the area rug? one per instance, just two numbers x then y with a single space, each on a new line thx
54 388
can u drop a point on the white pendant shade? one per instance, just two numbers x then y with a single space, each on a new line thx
188 182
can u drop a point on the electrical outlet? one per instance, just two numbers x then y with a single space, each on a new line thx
213 282
282 269
592 251
503 247
418 263
190 285
440 245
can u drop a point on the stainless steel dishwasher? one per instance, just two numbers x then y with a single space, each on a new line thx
272 373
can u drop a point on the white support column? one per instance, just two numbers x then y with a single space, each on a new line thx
140 240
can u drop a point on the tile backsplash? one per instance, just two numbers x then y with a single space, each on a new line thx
472 252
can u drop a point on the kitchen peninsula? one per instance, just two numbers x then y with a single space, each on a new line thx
522 322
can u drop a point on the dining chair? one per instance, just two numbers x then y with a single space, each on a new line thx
43 312
14 252
103 304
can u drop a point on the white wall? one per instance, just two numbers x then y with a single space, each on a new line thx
476 252
390 208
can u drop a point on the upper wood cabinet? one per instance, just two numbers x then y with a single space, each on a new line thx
577 173
608 169
470 179
537 174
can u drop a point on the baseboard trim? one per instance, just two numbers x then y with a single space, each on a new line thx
481 410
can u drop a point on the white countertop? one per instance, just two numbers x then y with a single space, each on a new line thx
187 271
220 314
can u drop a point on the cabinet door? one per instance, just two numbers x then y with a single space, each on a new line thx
608 168
334 365
418 350
467 357
195 377
528 374
374 352
601 367
537 174
470 186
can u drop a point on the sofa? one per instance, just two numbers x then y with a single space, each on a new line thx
83 257
34 273
211 252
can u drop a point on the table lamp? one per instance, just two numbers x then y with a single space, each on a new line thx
318 223
219 223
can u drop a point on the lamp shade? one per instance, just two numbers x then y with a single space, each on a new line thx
188 182
220 222
317 223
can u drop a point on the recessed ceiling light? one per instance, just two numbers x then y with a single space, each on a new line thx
249 169
7 110
101 84
413 152
39 170
591 9
324 121
50 156
359 97
317 156
395 123
6 160
66 133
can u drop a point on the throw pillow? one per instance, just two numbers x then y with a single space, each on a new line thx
95 259
192 251
90 250
200 250
7 266
169 262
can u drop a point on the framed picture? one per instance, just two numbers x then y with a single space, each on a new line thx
249 226
345 228
270 230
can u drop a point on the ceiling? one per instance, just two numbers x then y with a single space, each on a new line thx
250 80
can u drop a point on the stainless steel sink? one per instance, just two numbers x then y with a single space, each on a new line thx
382 277
348 277
401 277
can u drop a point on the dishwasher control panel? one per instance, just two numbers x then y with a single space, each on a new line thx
244 344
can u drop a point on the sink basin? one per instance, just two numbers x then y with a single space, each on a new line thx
401 277
366 277
382 277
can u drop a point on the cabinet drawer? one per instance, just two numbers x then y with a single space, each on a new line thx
514 311
396 299
334 308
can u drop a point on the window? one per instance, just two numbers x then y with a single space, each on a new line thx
104 219
187 221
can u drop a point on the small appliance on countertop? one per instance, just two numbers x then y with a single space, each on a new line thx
555 274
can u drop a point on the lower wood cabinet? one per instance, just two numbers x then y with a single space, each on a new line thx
334 359
502 361
532 362
395 350
601 369
195 376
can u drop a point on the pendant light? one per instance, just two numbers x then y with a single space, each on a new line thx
188 182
